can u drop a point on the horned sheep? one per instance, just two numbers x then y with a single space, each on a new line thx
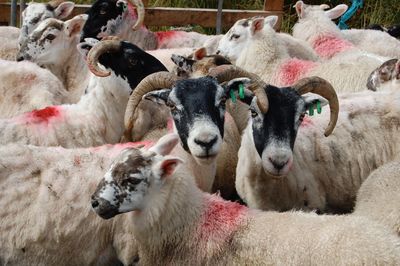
279 171
174 222
98 116
279 69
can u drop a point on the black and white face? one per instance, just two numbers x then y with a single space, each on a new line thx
388 72
198 109
274 133
133 177
48 43
34 13
105 18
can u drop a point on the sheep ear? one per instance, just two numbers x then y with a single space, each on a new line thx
299 6
200 53
64 10
183 63
233 85
311 99
165 144
256 25
271 20
75 25
167 166
337 11
159 96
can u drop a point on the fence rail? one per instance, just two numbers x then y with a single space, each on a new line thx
167 16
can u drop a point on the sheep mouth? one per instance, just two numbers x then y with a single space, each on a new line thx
108 214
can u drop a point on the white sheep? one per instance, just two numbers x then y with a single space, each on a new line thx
285 162
9 42
53 45
266 56
371 41
379 196
45 207
174 222
239 34
98 116
25 87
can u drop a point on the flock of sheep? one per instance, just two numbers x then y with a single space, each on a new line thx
296 135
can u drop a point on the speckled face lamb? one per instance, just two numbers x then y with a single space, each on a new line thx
132 175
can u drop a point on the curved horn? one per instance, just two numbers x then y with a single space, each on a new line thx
228 72
96 52
55 3
140 11
152 82
322 87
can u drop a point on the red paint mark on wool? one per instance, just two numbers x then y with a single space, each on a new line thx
43 115
220 218
292 70
132 11
306 122
327 46
166 36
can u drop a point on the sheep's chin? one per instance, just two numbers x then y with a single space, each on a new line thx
205 160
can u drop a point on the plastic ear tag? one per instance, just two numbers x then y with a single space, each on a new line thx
241 91
319 110
233 97
311 110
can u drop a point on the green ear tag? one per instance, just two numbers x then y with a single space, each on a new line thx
311 110
233 97
319 110
241 91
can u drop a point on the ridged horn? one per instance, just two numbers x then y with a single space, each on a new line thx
321 87
140 11
155 81
55 3
228 72
96 51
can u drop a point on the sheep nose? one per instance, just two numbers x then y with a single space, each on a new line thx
20 58
206 144
218 52
95 203
278 164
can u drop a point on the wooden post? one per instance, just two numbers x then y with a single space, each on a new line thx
273 5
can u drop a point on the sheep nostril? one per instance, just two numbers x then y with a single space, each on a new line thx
278 165
206 144
20 58
218 52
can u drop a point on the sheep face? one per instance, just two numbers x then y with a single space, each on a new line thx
104 19
274 132
47 44
134 175
131 62
234 41
37 12
198 110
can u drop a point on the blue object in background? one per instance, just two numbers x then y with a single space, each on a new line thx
349 13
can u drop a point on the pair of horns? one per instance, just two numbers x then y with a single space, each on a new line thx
315 85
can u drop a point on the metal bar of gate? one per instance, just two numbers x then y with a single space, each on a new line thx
219 17
22 7
13 15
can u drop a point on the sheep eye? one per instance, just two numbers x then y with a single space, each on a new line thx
35 20
103 11
253 113
133 62
50 37
223 101
134 181
171 106
235 36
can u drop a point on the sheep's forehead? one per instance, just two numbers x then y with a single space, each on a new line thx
131 162
48 25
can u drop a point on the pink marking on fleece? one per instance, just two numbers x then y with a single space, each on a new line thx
166 36
327 46
292 70
307 122
220 219
43 116
132 11
170 125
